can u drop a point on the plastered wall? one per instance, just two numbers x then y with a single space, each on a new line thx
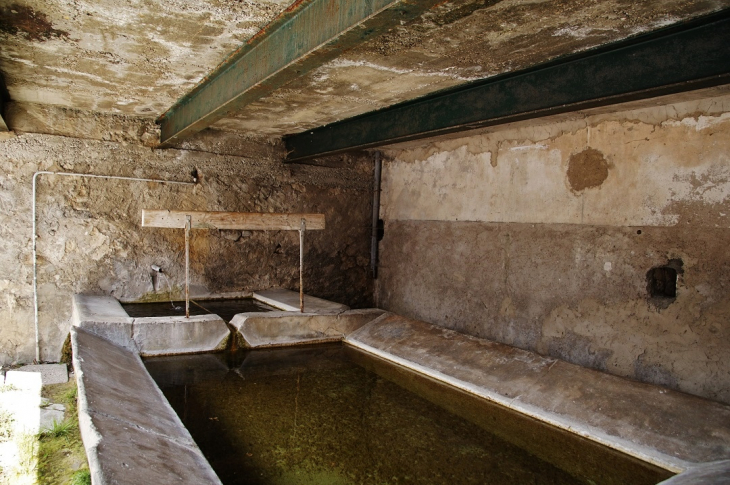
542 235
90 238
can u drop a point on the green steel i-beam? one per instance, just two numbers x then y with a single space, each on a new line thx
684 57
305 36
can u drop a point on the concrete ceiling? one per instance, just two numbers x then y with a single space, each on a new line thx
137 57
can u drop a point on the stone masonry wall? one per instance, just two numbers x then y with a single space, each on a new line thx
90 238
564 236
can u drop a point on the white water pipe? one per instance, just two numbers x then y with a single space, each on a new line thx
35 259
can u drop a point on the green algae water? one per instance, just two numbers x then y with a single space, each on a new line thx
335 415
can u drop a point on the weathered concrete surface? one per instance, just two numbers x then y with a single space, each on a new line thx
288 301
664 427
90 239
24 380
130 432
455 42
175 335
23 401
50 373
105 317
716 473
274 329
107 57
495 235
51 415
673 158
97 308
101 315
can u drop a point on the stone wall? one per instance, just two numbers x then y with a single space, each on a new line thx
564 236
90 237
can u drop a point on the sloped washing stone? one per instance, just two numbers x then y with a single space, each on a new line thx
133 456
130 432
668 428
275 329
288 300
176 335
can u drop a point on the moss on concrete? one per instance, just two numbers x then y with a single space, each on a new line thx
62 458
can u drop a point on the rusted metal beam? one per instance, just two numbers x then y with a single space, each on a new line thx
305 36
680 58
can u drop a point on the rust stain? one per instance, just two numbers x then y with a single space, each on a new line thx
294 6
34 25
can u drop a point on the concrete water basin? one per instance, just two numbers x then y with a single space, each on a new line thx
121 406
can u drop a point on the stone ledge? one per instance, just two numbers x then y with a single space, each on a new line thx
50 373
175 335
101 316
97 308
276 329
130 432
664 427
288 301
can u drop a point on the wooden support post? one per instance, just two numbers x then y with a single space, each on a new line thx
242 221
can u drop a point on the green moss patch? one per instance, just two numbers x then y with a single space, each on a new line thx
61 454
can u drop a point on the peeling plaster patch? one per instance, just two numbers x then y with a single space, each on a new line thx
344 63
709 186
587 169
340 63
664 22
699 123
530 147
579 32
61 70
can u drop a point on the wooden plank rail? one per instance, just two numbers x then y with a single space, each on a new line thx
247 221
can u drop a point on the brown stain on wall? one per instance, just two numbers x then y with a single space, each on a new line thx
32 24
587 169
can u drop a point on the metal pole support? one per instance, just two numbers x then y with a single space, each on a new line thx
302 228
188 224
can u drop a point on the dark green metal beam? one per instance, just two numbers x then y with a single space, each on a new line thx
305 36
689 56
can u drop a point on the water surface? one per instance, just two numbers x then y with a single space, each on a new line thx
225 309
314 416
